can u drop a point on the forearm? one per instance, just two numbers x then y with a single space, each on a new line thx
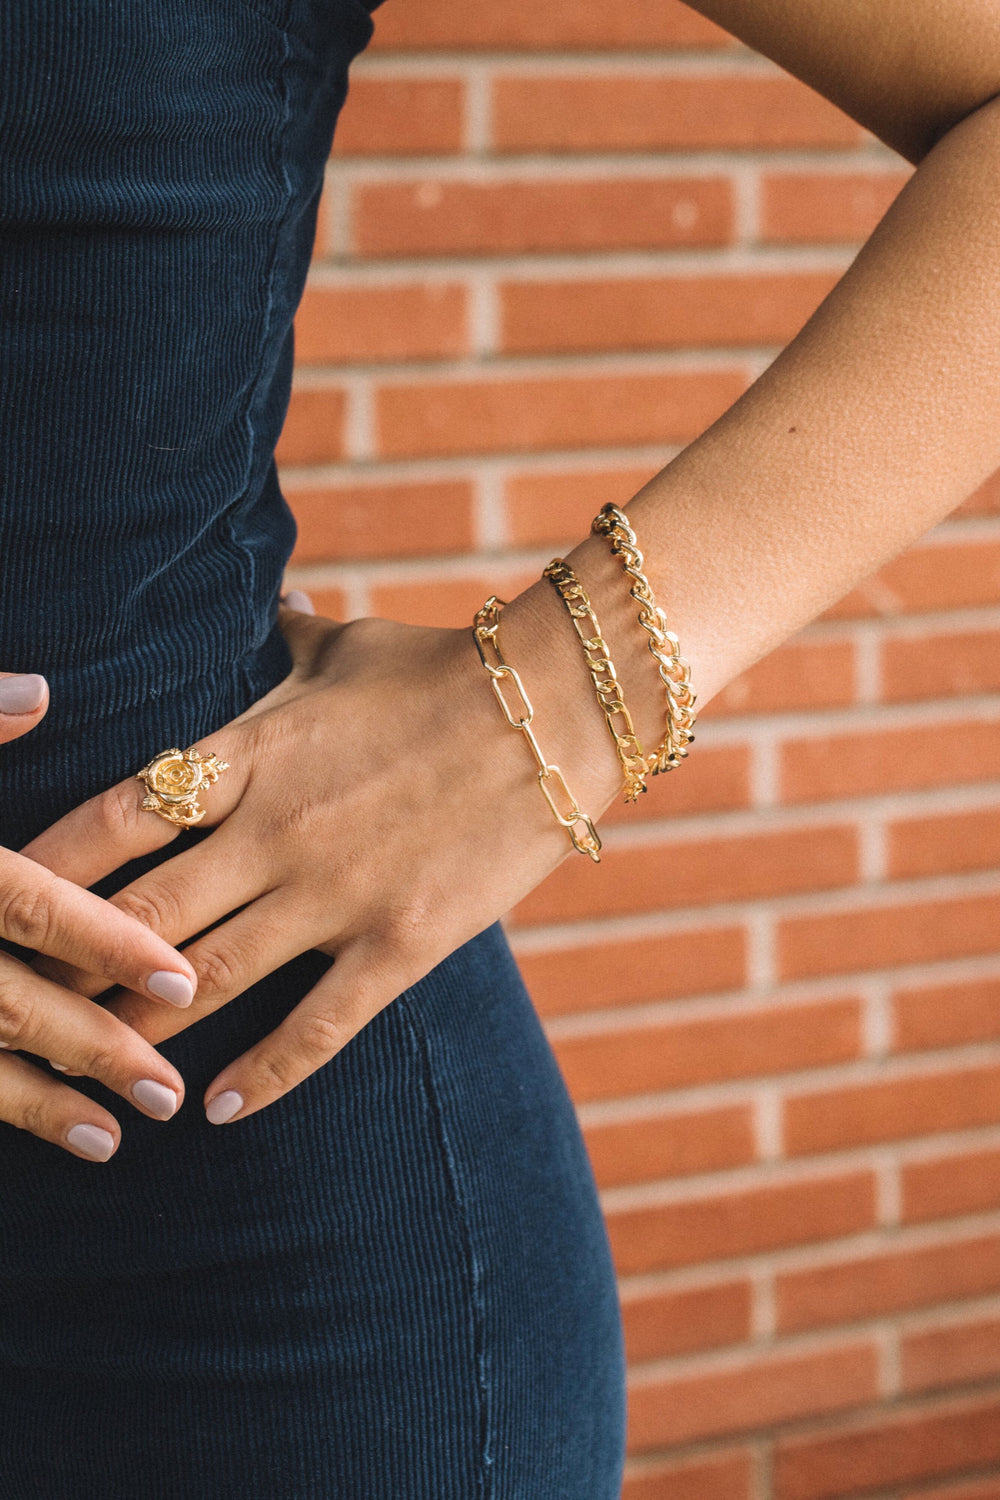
880 417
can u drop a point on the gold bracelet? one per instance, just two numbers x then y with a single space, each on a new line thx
603 676
675 672
485 633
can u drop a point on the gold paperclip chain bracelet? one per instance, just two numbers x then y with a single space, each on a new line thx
485 633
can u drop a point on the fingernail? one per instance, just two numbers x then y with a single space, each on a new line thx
58 1067
94 1142
175 988
156 1097
223 1106
296 599
21 694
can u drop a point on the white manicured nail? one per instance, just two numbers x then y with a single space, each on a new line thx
223 1106
296 599
94 1142
156 1097
177 989
21 694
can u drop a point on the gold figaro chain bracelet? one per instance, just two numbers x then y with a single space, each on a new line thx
603 675
485 633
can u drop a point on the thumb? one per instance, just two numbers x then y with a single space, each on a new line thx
24 699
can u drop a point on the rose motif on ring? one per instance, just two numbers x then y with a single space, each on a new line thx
173 780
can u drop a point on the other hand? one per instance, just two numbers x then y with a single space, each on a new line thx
53 916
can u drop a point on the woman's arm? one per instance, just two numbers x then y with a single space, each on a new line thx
879 418
908 70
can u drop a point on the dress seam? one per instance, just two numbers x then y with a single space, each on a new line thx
473 1260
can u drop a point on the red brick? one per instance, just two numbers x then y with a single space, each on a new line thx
981 1489
949 1186
938 665
510 416
946 1015
888 759
314 428
726 1477
401 117
952 1355
880 936
894 1280
338 522
721 1225
558 508
892 1109
762 1392
695 872
365 324
887 1451
939 576
712 781
658 312
442 216
679 1054
943 842
810 208
671 1145
801 674
647 112
447 602
563 25
661 1324
628 971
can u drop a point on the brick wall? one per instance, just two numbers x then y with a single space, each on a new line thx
557 240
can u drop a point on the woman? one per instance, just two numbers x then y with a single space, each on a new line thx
386 1274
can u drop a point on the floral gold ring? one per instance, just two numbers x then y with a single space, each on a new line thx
174 779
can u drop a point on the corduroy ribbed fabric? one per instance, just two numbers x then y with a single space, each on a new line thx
395 1283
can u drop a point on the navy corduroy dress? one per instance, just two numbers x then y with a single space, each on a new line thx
394 1284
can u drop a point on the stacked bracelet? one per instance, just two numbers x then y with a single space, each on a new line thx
485 632
675 673
603 675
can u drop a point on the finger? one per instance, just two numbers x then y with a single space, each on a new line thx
106 831
186 895
32 1101
39 1017
354 990
228 960
52 916
24 700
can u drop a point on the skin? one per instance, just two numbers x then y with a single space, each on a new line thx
879 418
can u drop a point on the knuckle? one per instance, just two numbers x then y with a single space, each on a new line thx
101 1062
33 1117
15 1014
26 916
146 908
217 974
276 1072
320 1037
118 812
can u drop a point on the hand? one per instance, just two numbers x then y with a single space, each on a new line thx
40 911
377 808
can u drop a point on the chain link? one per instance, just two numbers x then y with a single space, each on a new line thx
486 635
603 675
675 672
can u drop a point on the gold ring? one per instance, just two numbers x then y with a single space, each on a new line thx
173 780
